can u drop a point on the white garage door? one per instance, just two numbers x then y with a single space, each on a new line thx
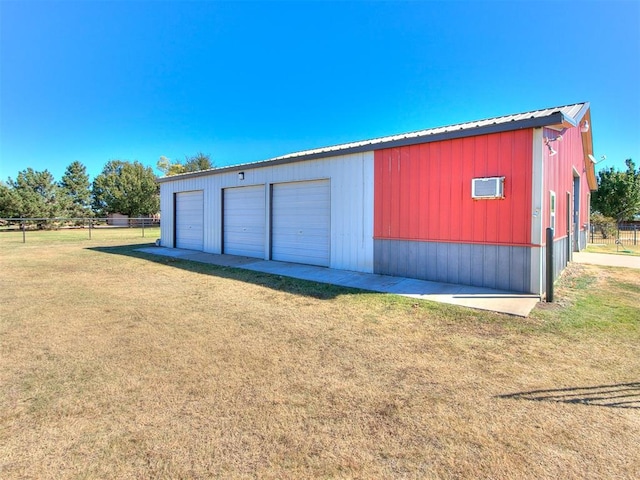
189 220
244 221
301 222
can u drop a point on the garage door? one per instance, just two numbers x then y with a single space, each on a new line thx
189 220
300 222
244 221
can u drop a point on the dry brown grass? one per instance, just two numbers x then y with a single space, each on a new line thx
117 365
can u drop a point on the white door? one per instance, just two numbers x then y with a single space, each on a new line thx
244 221
189 220
301 222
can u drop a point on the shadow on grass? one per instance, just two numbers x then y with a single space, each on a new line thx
620 395
321 291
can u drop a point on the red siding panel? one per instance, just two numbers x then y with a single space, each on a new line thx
505 149
559 174
445 216
423 192
377 213
455 195
479 208
493 206
425 174
432 187
520 188
409 187
467 217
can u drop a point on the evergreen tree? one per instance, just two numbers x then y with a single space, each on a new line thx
10 204
36 193
75 187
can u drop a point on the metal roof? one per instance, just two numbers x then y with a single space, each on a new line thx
564 116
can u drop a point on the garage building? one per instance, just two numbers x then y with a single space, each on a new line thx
466 203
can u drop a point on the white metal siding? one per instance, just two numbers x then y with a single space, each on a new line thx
189 220
351 232
244 221
537 207
301 222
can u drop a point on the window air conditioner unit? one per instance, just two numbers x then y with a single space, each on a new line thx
491 187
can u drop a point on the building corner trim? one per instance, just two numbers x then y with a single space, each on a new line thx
537 210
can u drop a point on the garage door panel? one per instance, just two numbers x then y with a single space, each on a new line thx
301 222
244 221
295 232
190 220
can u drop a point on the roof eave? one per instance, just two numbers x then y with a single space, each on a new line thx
582 112
587 149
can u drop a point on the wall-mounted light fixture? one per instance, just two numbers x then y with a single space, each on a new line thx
240 175
594 161
584 128
547 142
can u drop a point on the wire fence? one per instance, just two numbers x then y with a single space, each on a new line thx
605 234
30 226
611 234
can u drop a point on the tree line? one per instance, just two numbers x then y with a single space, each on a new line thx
617 199
124 187
131 189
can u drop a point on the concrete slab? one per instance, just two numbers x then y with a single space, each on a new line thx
220 260
467 296
168 252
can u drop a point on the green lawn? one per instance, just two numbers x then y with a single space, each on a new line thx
627 248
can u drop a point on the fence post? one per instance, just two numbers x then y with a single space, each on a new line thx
24 231
549 297
142 227
90 227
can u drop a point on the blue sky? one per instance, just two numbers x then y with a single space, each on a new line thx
133 80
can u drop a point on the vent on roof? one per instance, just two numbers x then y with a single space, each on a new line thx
491 187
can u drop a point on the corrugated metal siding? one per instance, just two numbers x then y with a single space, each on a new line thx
423 192
558 176
351 179
560 261
491 266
